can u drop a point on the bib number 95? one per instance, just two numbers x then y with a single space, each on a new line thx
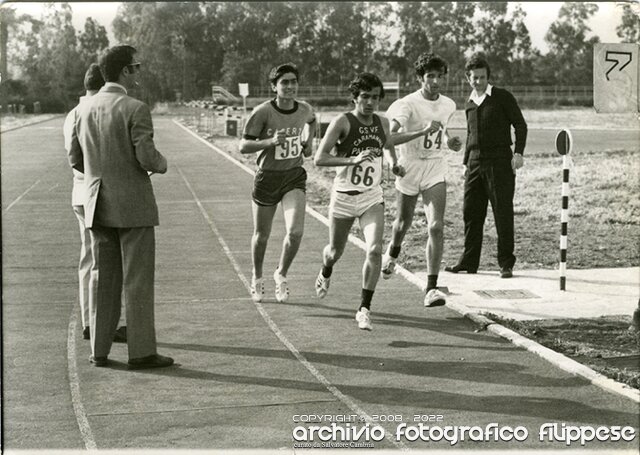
289 149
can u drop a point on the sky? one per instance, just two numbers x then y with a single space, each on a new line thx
539 16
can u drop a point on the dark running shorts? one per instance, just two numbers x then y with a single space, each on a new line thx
270 186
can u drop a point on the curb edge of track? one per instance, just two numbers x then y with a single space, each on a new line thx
13 128
560 360
555 358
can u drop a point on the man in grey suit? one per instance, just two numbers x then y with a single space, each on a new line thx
93 81
112 145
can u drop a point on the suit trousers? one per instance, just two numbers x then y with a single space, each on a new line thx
123 267
488 181
84 265
84 269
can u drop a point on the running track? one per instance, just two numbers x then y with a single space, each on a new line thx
244 369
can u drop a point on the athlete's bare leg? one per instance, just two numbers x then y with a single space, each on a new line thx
293 208
338 234
262 221
405 206
372 226
435 201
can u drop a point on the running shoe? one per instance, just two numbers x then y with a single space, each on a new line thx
282 287
388 266
322 285
257 289
435 297
364 319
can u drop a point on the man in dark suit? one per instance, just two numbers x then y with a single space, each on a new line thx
112 144
490 167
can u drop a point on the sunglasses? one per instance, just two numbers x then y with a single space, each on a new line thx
134 65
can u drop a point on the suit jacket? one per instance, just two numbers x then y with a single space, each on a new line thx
112 144
489 127
78 194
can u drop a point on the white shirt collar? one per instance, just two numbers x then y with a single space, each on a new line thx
479 99
115 84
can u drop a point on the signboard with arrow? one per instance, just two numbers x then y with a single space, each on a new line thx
615 77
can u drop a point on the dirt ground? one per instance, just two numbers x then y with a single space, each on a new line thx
607 344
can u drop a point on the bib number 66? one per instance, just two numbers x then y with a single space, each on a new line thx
361 175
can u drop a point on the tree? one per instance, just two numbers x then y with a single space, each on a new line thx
504 39
629 29
91 41
570 58
48 58
256 33
341 41
178 43
9 21
523 53
300 47
444 28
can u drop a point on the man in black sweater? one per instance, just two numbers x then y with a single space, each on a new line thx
490 167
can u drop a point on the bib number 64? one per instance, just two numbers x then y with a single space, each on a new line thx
433 143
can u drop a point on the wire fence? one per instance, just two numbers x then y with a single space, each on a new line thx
547 94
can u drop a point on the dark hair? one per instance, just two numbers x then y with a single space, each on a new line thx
277 72
364 82
114 59
476 62
427 62
93 79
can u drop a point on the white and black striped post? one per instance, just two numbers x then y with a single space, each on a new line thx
563 146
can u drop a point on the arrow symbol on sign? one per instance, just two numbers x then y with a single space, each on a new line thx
616 60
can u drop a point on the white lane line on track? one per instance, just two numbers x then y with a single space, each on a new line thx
74 385
21 196
351 404
559 360
206 408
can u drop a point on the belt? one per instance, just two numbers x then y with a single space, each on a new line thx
351 192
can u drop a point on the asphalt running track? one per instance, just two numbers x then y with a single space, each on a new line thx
244 369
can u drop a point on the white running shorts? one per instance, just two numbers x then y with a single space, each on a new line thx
421 175
344 205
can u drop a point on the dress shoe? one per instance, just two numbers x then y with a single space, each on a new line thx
86 333
150 361
459 268
121 335
506 272
99 361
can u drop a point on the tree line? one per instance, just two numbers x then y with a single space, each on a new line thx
187 46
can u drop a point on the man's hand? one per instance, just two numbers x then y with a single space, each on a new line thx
465 171
517 162
307 148
433 126
368 155
454 143
279 137
398 170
